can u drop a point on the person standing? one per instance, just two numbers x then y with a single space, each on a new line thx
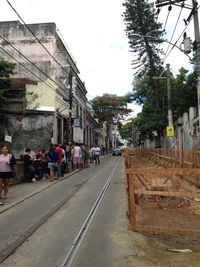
77 155
7 162
58 150
93 153
102 150
29 170
52 157
63 163
86 156
97 152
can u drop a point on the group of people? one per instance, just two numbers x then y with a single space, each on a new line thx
55 162
49 164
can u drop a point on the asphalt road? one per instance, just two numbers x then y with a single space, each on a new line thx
106 244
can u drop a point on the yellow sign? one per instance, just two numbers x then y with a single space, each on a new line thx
170 131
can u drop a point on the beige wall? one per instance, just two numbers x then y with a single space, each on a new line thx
44 97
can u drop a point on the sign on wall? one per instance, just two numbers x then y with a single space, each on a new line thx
170 131
8 138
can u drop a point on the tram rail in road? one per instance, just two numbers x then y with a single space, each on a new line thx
84 229
5 253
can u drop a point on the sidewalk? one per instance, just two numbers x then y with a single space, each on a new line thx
19 193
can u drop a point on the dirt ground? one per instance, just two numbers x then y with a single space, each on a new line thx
154 250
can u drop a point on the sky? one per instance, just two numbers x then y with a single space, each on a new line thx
94 33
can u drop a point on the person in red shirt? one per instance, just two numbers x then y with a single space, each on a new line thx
38 152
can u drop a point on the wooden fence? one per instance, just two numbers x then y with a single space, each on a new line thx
163 200
166 157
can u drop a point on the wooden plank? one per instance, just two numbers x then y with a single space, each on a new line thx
167 230
168 194
161 171
141 181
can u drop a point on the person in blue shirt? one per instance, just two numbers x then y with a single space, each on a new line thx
52 157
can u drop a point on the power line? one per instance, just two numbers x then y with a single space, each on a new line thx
158 13
35 36
169 9
30 72
31 62
177 40
174 29
24 66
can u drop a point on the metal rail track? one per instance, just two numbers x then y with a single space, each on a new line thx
68 260
5 253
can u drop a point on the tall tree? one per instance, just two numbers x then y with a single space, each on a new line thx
139 18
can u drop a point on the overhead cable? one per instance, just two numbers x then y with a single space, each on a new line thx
5 40
174 45
24 66
174 30
169 9
158 13
166 20
30 72
35 36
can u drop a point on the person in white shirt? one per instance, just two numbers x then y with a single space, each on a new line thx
63 165
92 153
77 154
97 152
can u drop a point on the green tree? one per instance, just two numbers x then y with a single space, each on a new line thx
153 118
110 109
184 92
154 112
6 70
139 18
126 130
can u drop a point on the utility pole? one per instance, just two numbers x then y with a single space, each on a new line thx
70 101
70 114
194 13
197 45
72 89
169 98
170 127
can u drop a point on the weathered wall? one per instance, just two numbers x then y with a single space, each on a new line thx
24 41
30 131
